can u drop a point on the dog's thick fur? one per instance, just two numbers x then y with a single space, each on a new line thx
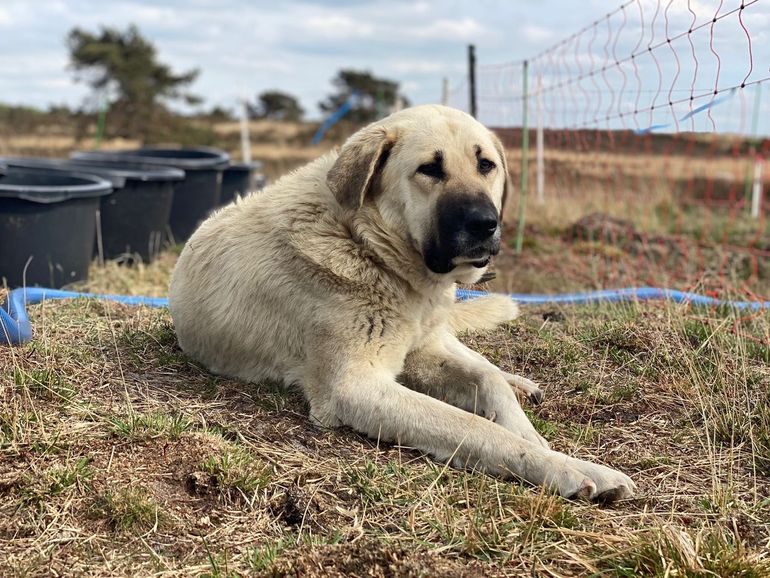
327 280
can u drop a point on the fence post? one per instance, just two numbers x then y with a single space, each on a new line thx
445 91
524 157
756 191
753 148
472 80
101 120
245 137
540 144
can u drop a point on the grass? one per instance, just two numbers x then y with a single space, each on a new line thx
235 474
120 456
43 486
262 558
670 552
128 509
154 424
44 382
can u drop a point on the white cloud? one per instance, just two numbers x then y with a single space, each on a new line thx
143 14
242 62
417 66
536 33
31 65
57 83
336 26
462 29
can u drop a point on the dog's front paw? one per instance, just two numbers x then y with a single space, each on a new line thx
609 485
575 479
525 387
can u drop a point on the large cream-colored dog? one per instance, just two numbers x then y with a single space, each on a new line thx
341 277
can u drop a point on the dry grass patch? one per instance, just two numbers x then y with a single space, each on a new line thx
121 457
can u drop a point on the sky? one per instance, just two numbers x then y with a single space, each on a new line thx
243 47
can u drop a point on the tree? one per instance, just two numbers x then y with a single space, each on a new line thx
220 114
123 67
276 105
376 96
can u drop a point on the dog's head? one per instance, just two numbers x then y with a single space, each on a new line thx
437 177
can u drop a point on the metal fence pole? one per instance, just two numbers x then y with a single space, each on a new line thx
524 157
445 91
245 136
540 145
756 190
472 80
750 185
101 121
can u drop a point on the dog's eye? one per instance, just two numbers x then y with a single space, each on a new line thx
433 170
485 166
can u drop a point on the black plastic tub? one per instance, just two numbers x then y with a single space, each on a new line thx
47 226
134 218
195 196
239 179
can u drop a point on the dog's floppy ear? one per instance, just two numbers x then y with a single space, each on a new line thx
361 159
507 186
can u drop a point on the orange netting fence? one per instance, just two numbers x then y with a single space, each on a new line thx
640 144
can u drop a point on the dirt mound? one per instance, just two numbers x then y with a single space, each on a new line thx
372 559
603 228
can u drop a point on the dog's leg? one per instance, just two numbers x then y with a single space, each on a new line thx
446 369
465 381
486 313
370 401
482 313
524 386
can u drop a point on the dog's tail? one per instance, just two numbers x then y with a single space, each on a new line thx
482 313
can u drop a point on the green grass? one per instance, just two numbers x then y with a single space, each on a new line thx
760 434
236 474
46 383
128 509
672 552
544 427
262 558
58 480
149 425
155 341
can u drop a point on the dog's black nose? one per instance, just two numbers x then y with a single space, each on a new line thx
481 221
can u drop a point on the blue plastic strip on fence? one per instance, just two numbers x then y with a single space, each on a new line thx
15 327
346 107
709 105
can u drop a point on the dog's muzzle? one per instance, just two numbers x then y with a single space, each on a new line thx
467 233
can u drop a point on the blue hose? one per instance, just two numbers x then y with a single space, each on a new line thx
627 294
15 327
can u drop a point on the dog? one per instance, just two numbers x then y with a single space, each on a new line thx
340 278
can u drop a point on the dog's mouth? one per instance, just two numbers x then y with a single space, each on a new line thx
478 262
478 257
443 257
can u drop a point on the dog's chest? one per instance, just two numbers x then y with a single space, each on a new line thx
396 336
